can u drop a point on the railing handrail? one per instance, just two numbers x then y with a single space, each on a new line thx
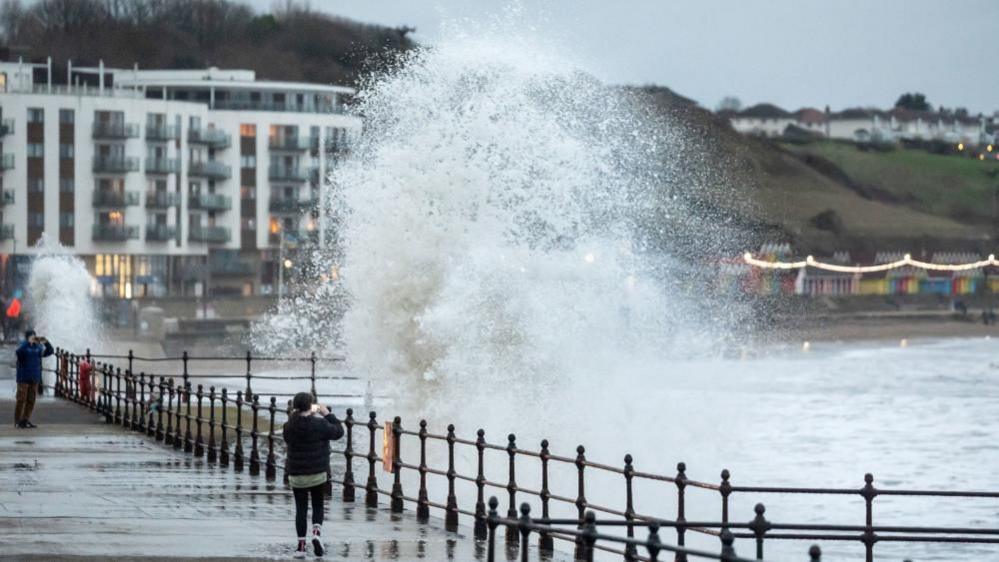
759 528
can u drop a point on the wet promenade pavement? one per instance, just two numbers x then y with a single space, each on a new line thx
77 489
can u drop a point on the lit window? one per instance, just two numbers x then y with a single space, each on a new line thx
247 130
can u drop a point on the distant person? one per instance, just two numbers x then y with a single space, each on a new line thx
29 376
307 435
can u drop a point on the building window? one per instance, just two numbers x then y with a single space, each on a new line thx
247 223
36 185
247 130
66 116
248 192
66 220
248 161
66 185
36 220
65 150
36 150
36 115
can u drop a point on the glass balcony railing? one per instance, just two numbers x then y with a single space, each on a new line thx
6 232
7 197
6 162
115 232
290 143
287 205
212 137
209 202
103 198
232 267
115 131
115 164
161 132
161 199
161 166
209 234
160 233
209 169
250 105
287 173
6 127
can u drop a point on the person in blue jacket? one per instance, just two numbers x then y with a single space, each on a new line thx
29 375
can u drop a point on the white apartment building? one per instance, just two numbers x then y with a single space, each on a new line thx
165 181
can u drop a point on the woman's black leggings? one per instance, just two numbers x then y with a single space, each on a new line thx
318 494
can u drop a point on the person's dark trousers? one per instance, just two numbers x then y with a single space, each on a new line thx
25 400
302 506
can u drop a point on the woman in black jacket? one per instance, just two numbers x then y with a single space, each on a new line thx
307 434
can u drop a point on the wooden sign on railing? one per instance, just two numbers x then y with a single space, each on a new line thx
388 447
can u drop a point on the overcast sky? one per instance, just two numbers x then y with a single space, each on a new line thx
790 52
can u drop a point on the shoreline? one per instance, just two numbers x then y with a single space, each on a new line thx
878 326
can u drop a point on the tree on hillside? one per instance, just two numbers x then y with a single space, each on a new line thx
914 101
729 103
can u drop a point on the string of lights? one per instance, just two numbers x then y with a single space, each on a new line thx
905 261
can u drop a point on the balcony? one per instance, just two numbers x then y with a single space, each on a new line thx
161 166
161 132
250 105
6 127
287 205
115 164
161 199
115 131
287 173
290 143
209 202
106 198
211 137
115 232
232 268
6 162
209 234
210 169
7 197
6 232
160 233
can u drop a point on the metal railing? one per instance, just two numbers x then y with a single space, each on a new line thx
112 198
168 415
161 132
6 161
209 169
6 232
248 105
160 233
115 130
6 127
292 143
115 232
209 234
209 201
7 197
287 173
211 137
161 166
115 164
161 199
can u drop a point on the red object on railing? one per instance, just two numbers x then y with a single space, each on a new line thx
84 381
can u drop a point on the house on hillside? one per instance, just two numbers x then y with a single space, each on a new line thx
763 119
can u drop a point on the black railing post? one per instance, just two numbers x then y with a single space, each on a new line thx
580 550
589 535
131 359
117 397
249 391
348 455
237 461
681 519
759 526
546 543
869 492
423 499
451 516
523 528
108 390
224 445
254 435
481 530
212 445
630 552
168 436
199 441
396 504
312 376
511 487
178 430
652 543
159 410
188 434
126 416
725 489
491 523
371 488
271 472
815 553
728 545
